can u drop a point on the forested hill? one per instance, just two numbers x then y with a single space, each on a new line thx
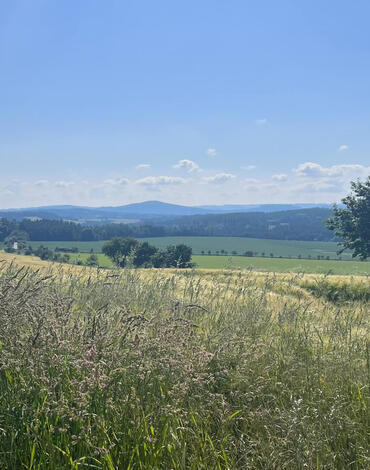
304 224
142 212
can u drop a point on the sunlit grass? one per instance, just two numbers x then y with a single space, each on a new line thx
182 369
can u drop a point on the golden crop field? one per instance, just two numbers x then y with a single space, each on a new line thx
194 369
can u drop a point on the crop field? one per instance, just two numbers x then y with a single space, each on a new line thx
278 248
283 265
171 369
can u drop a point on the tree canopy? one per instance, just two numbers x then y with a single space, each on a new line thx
352 223
123 251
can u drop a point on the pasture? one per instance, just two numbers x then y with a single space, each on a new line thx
199 370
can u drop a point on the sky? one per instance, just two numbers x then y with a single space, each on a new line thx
190 102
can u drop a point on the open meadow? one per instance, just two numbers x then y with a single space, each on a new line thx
182 369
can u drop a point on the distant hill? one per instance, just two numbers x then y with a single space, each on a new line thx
141 212
261 207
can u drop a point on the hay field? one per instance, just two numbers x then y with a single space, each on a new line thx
170 369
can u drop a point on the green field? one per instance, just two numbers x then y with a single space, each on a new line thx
83 247
258 246
103 260
284 248
283 265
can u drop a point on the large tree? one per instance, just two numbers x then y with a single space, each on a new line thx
352 222
118 249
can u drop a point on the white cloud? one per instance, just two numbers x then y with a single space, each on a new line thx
343 148
211 152
187 165
143 166
116 182
6 192
42 183
315 170
261 122
248 167
322 186
219 178
63 184
280 177
160 180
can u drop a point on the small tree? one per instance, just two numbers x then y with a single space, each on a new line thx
179 256
352 223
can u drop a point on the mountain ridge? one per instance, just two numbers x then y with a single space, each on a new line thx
144 210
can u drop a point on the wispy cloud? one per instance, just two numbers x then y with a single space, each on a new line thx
143 166
187 165
248 167
211 152
315 170
261 121
160 180
219 178
42 183
343 148
116 182
63 184
280 177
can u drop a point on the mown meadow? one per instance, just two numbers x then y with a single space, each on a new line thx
172 369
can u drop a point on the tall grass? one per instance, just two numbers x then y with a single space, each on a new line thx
176 370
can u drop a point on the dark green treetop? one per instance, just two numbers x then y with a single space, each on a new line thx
352 222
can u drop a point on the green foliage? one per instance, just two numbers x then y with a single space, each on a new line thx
16 236
178 256
141 254
179 371
118 249
352 223
248 253
92 260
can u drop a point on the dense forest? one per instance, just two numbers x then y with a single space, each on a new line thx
305 224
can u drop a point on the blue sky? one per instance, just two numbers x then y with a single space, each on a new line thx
192 102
